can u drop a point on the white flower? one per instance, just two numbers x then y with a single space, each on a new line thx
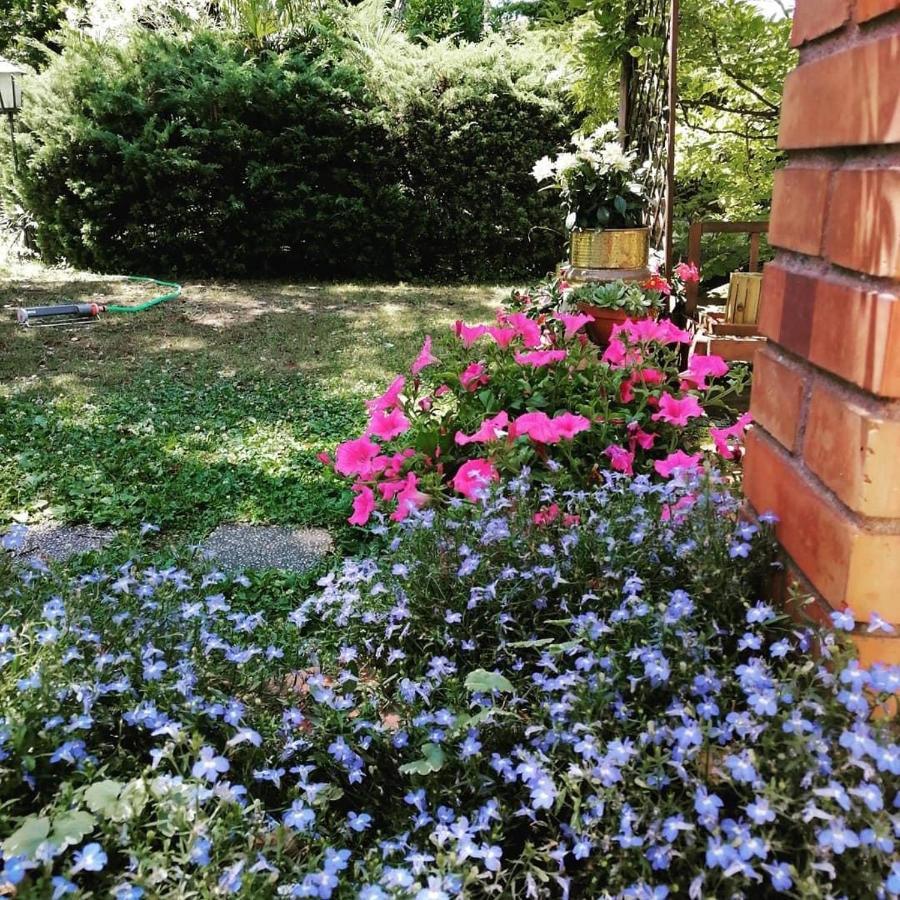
565 161
614 157
605 132
582 143
544 169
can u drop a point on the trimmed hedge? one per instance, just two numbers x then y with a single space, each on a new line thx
184 155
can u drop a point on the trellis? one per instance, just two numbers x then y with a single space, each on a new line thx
647 107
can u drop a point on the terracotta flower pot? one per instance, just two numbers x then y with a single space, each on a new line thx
600 330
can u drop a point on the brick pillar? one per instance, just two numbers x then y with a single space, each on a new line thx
825 455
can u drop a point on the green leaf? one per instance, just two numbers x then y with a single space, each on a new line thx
102 797
26 838
432 761
523 645
487 399
71 827
483 682
620 204
565 647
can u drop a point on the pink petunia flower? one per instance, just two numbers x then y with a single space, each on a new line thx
546 514
389 398
474 477
389 425
643 331
394 463
619 356
425 357
573 323
722 436
502 337
640 376
355 457
473 376
637 437
569 424
363 505
468 334
492 429
688 273
679 461
538 358
536 425
409 498
677 412
544 430
528 329
677 512
702 367
622 460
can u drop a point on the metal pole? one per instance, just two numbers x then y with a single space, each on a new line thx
674 20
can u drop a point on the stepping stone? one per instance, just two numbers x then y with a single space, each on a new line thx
268 547
59 542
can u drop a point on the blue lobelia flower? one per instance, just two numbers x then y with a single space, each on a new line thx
91 858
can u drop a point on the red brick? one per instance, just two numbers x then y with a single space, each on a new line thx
845 99
855 451
798 209
777 396
871 9
863 227
813 18
847 565
850 330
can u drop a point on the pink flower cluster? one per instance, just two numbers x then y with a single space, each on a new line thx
382 477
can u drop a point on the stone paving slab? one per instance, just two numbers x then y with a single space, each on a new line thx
268 547
59 542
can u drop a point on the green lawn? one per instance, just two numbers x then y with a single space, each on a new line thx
207 409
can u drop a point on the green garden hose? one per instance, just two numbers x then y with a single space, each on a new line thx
173 293
68 311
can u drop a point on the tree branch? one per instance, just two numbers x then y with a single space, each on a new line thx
714 45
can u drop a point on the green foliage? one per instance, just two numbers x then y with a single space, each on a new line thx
23 23
436 19
186 154
261 19
732 64
177 154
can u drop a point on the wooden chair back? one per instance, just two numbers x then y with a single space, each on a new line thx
695 248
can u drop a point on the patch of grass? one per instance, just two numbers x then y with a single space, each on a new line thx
208 409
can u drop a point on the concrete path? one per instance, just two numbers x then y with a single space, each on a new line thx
268 547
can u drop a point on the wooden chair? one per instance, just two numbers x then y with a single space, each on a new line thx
695 248
735 338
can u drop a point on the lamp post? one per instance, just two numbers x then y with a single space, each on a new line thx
11 99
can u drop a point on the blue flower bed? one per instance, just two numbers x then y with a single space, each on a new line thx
579 694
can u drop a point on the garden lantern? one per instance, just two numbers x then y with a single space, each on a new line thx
11 98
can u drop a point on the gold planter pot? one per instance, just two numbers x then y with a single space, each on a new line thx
610 248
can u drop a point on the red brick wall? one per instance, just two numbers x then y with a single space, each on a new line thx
825 454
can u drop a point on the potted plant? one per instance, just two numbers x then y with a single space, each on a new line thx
603 192
612 303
